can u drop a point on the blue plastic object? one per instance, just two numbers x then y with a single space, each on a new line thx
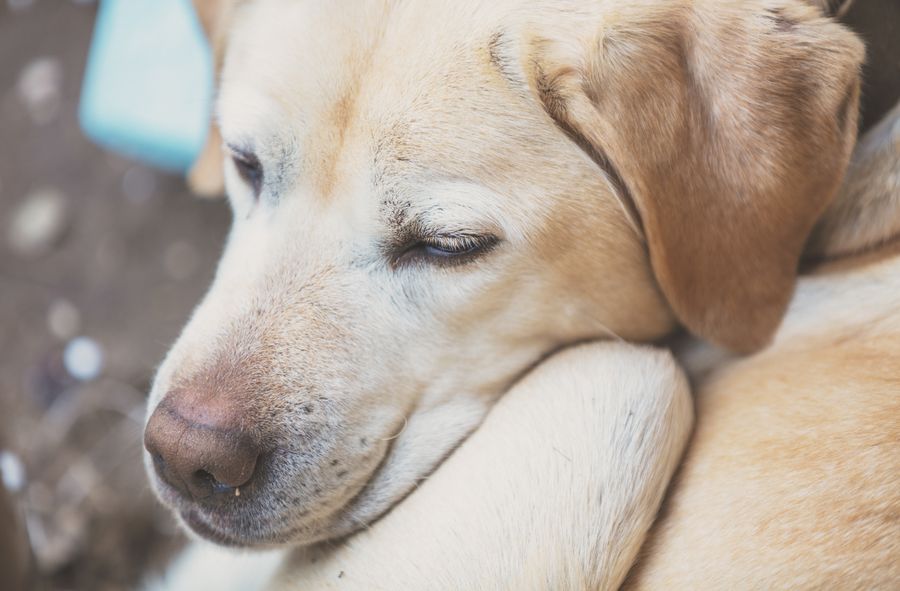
148 85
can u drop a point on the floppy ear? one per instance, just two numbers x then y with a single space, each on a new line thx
206 176
728 125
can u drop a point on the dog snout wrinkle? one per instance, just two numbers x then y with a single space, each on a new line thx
206 460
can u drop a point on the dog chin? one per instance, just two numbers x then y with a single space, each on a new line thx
221 530
261 535
409 458
252 529
197 527
374 499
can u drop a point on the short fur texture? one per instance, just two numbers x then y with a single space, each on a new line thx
791 480
863 218
556 490
629 159
632 404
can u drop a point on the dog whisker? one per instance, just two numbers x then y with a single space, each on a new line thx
398 433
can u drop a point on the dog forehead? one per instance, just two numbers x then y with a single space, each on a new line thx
388 100
387 67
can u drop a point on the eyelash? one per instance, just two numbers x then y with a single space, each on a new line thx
249 169
445 249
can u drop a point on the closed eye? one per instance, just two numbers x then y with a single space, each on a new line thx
445 249
248 168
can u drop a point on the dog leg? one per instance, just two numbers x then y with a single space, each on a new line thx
556 490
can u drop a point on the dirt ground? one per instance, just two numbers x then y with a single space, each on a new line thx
91 245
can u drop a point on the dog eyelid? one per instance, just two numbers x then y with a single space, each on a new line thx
444 249
248 167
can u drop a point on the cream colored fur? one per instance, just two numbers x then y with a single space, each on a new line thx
792 480
601 146
556 490
634 165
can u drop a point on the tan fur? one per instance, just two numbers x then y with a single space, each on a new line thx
705 85
631 159
727 175
792 478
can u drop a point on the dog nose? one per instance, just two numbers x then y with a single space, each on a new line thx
198 446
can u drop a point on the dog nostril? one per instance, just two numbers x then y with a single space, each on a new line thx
209 481
201 459
205 477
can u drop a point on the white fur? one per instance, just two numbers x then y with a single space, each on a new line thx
205 566
556 490
373 123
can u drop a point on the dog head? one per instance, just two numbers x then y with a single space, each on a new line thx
429 197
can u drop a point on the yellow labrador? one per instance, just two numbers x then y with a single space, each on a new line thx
791 481
432 197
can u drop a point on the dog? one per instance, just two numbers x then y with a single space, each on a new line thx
431 198
592 417
790 480
792 477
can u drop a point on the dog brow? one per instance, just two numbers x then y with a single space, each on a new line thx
395 211
497 47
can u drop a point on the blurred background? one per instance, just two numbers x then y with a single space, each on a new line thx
101 261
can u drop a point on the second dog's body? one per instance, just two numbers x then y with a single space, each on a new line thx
792 477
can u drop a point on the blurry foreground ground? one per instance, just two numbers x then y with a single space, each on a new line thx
93 246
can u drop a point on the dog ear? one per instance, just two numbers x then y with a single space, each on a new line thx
727 126
206 176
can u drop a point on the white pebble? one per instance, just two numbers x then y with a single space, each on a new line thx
13 471
40 84
38 222
83 358
63 319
